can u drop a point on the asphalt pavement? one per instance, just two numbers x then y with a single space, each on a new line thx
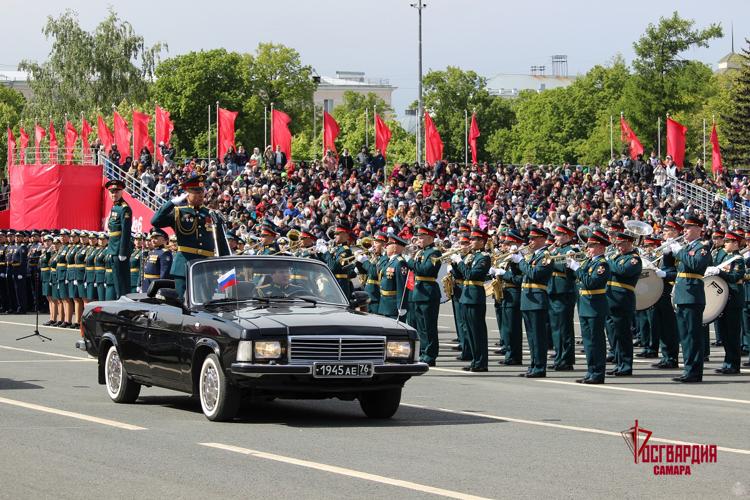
456 435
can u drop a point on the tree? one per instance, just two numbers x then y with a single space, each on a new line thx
86 71
736 140
11 106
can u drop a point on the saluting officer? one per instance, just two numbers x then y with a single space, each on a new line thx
473 298
512 277
729 320
562 299
340 261
372 266
393 280
592 277
690 298
120 244
192 225
537 270
425 296
159 260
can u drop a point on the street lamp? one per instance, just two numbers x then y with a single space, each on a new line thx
420 106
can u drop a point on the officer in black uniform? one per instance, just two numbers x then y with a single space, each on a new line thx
159 260
19 273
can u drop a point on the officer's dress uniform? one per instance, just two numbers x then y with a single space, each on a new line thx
372 270
100 272
90 273
662 316
194 231
342 272
474 302
511 326
62 272
52 263
80 271
593 309
70 273
746 307
19 275
44 272
625 271
562 300
392 286
109 280
135 269
730 319
537 270
425 298
690 300
458 311
158 265
120 245
718 255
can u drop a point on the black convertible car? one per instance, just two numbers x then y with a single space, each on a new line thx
263 327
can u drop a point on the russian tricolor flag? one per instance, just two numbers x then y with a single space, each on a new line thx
227 279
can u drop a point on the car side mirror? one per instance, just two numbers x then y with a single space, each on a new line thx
169 296
359 299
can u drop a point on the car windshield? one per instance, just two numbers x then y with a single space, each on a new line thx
243 278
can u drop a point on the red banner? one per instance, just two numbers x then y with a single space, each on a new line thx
23 138
676 141
122 136
52 144
281 136
56 197
330 132
104 134
85 133
11 147
141 138
382 134
5 219
39 134
433 143
627 135
71 136
716 165
473 134
164 129
225 132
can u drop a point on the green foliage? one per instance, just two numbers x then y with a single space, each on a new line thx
736 116
87 71
11 106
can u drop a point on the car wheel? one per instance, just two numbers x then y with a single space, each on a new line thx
219 399
380 404
119 387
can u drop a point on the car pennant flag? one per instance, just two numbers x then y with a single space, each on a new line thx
227 279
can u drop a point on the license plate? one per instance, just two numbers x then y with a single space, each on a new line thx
342 370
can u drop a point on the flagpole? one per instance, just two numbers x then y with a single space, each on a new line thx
658 137
209 132
466 137
265 125
704 143
271 135
367 123
612 135
217 135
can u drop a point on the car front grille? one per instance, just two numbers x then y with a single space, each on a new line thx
305 349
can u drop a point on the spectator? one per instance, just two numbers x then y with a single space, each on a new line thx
346 162
279 158
144 158
256 159
363 158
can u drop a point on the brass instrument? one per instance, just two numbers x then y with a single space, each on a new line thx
446 256
565 256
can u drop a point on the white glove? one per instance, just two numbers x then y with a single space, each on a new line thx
75 282
2 275
668 250
250 252
712 271
492 271
661 274
516 258
513 248
20 276
362 258
456 258
122 258
179 199
573 265
138 289
67 282
676 247
321 248
500 271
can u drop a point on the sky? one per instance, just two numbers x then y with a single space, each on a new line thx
379 37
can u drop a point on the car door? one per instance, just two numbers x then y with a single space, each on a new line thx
166 361
133 339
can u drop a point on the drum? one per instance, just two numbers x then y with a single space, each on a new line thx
717 296
442 273
648 290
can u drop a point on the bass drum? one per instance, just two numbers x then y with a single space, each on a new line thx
442 273
648 290
717 295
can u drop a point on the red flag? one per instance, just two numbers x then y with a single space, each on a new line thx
473 134
39 134
52 143
164 129
433 143
281 135
85 133
141 137
627 135
104 134
716 165
11 147
226 131
382 134
23 137
122 136
676 141
330 132
410 281
71 136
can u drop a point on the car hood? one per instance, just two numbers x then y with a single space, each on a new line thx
319 320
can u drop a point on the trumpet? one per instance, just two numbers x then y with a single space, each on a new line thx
446 257
570 255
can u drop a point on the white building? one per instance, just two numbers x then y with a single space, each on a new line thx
330 92
510 85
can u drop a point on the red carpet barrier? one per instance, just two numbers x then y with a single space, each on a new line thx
56 196
141 213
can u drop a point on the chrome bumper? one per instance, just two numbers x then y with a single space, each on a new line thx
262 370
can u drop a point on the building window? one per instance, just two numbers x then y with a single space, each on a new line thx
328 105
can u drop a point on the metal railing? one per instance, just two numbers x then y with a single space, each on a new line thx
79 156
133 185
704 199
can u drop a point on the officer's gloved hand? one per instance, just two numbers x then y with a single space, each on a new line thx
500 271
362 258
712 271
75 282
572 264
122 258
179 199
20 276
676 247
514 248
455 258
138 289
661 274
516 258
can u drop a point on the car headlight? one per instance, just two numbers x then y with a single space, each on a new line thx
245 350
398 349
267 349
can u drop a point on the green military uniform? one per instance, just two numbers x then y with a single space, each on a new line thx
562 300
474 269
462 330
120 246
730 319
372 270
342 266
100 273
593 308
44 270
662 316
690 300
90 271
537 270
70 275
275 290
426 299
109 279
625 271
272 249
718 255
80 271
392 286
511 331
746 310
194 232
62 271
136 265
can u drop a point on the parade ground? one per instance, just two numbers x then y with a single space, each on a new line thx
456 435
